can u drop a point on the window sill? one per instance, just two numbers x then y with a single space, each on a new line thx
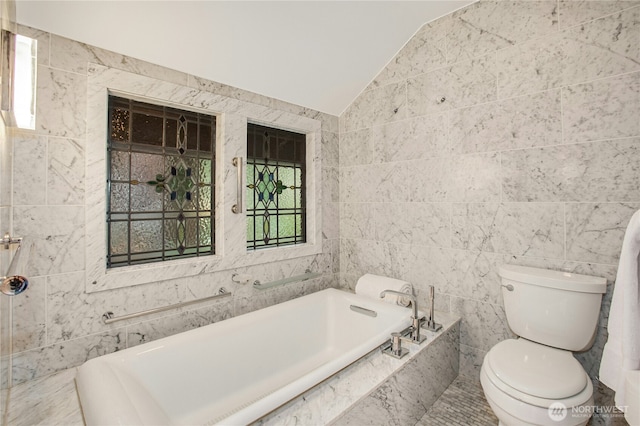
127 276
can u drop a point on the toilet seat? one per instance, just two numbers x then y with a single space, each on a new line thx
536 374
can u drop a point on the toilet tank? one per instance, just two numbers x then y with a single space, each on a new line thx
555 308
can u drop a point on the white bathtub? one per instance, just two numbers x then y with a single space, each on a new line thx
235 371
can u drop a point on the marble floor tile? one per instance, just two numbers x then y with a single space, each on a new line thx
463 403
51 400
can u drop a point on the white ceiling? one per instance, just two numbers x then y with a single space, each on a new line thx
318 54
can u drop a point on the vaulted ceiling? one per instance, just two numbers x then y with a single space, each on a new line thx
318 54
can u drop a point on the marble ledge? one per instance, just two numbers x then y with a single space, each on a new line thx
53 399
50 400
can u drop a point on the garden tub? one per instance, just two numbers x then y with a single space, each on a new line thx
236 371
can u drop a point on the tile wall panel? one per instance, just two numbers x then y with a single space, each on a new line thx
530 159
598 171
600 48
481 27
574 12
602 109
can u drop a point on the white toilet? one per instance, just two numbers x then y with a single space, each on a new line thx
535 380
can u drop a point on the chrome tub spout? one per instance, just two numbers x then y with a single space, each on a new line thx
415 320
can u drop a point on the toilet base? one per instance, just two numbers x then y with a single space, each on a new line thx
512 412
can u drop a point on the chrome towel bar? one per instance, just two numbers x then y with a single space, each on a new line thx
8 239
108 317
304 277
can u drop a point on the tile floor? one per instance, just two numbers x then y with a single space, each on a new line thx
464 404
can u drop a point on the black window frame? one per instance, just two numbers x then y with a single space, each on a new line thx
180 182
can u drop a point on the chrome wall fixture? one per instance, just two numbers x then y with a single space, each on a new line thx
108 317
237 208
304 277
12 283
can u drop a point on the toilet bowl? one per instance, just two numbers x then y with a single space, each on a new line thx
535 380
527 383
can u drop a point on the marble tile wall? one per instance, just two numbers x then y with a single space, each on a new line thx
57 324
505 132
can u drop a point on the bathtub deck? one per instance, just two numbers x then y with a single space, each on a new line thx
378 389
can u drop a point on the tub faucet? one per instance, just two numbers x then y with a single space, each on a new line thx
415 319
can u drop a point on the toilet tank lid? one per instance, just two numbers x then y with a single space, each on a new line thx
554 279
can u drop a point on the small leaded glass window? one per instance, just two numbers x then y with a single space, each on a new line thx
275 187
161 188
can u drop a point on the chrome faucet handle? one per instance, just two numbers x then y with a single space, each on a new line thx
396 344
415 336
393 347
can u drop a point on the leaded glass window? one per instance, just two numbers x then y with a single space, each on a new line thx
275 187
160 183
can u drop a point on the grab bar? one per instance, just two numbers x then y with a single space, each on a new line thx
13 284
237 208
108 317
304 277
